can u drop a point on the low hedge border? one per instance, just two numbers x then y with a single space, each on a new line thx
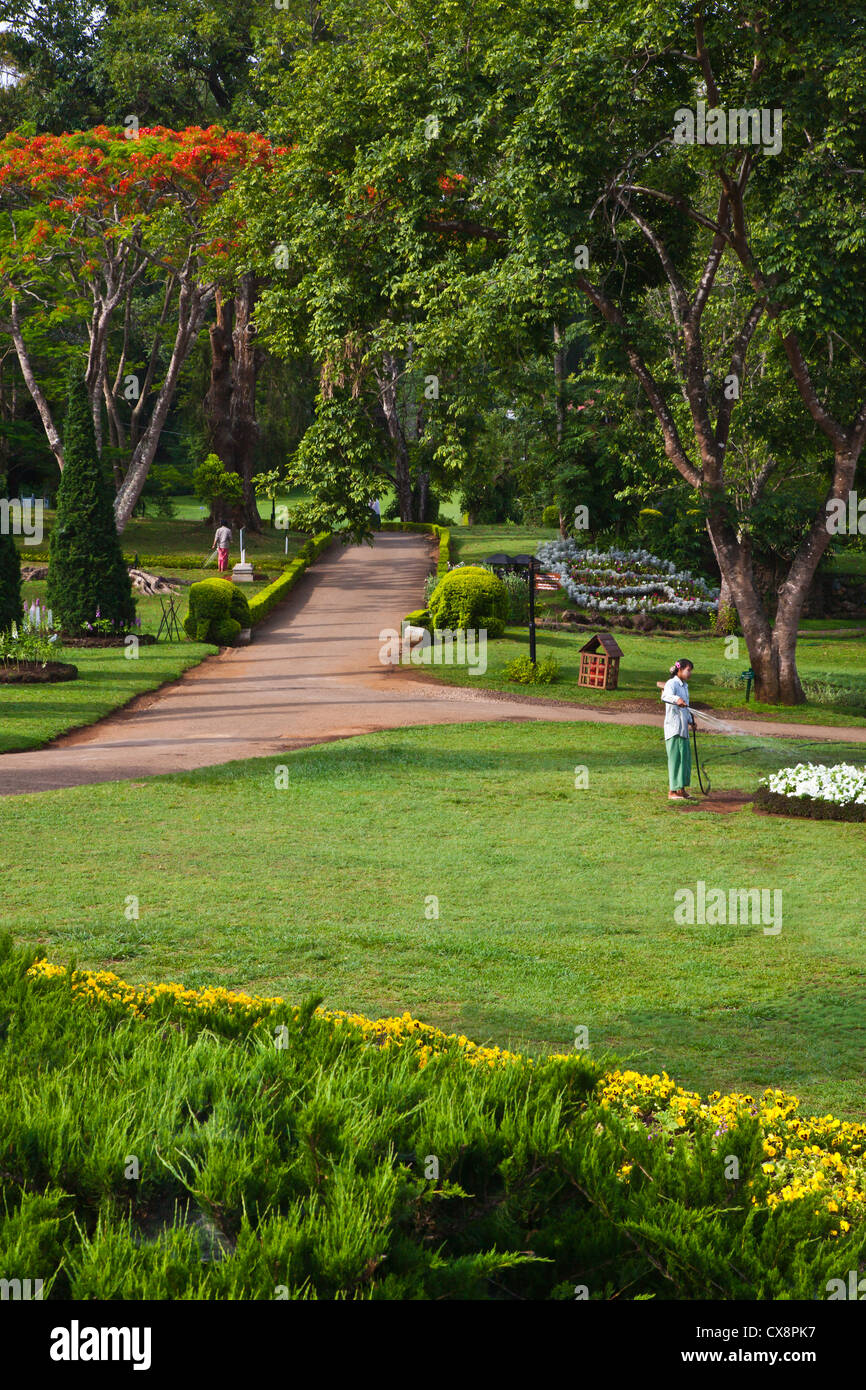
807 807
263 602
181 560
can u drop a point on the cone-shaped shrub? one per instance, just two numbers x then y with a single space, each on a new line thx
11 609
87 577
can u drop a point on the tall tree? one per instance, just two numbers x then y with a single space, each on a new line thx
87 578
91 220
564 141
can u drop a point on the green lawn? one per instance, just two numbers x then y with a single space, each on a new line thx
30 715
555 904
188 535
647 659
471 545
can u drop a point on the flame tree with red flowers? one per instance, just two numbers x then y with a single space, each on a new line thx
90 224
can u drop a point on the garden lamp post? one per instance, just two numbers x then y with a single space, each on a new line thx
500 561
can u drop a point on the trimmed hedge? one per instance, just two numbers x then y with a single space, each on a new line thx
218 610
420 618
267 599
179 560
807 807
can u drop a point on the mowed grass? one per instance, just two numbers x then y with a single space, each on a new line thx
555 905
185 540
31 715
647 659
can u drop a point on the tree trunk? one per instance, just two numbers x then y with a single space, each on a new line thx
230 403
402 481
423 495
55 443
217 402
559 378
773 650
244 425
192 306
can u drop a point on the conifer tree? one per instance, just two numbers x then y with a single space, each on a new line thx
87 577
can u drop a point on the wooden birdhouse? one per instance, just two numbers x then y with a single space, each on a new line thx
599 662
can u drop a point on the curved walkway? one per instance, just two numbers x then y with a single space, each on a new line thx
311 674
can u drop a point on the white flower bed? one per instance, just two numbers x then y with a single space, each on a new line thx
843 783
625 581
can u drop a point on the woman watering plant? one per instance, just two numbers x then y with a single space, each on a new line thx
678 718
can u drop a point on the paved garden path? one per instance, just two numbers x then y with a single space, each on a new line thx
312 673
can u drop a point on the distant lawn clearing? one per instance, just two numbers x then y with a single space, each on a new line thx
556 905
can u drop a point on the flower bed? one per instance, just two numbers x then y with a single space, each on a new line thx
815 791
36 672
818 1159
626 581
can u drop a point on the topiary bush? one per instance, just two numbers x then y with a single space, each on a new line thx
550 517
217 612
470 597
11 608
87 576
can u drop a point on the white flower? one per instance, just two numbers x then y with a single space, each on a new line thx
842 783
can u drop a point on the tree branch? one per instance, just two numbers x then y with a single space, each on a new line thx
673 444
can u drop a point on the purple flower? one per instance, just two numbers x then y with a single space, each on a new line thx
98 613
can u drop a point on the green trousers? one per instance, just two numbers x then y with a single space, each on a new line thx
679 762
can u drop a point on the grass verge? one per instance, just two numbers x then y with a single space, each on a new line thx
555 904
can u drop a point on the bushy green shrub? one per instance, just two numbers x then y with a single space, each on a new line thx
470 597
550 516
305 1162
214 484
87 577
218 611
526 672
11 607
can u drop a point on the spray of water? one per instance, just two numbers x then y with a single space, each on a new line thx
771 749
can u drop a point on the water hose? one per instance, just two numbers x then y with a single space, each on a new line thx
701 771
